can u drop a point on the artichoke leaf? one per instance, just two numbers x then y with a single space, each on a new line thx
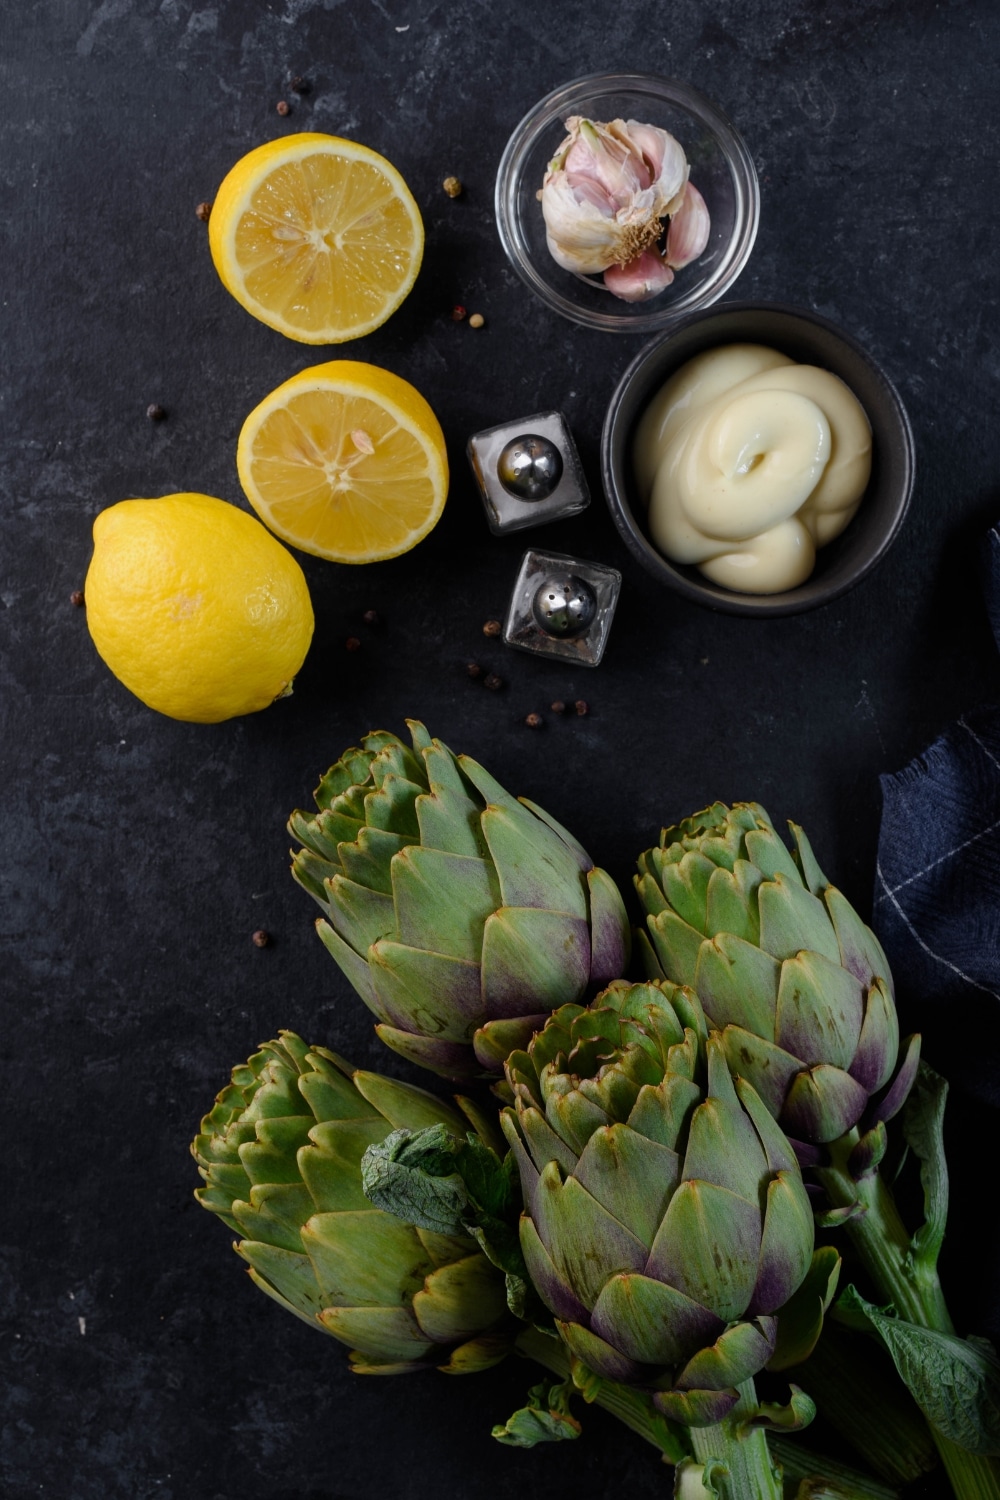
364 1258
954 1381
441 901
631 1176
797 1413
533 959
532 862
405 1106
354 966
708 1247
791 919
387 1336
610 934
820 1010
737 1354
431 994
546 1418
652 1322
800 1320
459 1300
451 1060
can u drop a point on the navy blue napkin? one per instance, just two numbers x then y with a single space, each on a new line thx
937 888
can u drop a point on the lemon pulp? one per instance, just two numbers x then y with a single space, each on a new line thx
317 236
346 461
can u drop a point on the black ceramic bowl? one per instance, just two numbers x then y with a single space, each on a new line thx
809 339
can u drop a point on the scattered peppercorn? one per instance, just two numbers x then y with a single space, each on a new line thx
261 939
283 107
558 707
352 643
492 628
371 617
493 682
477 320
76 599
457 313
452 187
204 212
534 721
155 412
582 708
299 85
474 670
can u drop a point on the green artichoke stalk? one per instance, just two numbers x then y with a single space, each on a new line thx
281 1153
461 915
785 968
665 1220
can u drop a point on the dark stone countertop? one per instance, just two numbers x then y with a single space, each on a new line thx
139 854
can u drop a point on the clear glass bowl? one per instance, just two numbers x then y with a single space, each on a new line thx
721 169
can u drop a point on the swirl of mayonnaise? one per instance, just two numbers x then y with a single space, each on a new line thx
750 462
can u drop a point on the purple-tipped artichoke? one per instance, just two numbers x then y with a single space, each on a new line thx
281 1153
461 915
665 1218
783 965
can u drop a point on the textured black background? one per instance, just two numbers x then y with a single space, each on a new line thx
139 854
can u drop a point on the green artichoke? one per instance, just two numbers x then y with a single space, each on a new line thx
461 915
785 968
281 1157
665 1220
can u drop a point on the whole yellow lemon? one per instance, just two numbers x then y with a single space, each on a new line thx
196 607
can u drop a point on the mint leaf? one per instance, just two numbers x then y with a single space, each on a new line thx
955 1382
412 1174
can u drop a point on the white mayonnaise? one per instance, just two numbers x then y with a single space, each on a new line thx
749 462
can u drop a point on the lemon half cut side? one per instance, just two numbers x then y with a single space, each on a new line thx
317 236
346 461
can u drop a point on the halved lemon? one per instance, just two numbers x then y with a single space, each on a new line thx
316 236
346 461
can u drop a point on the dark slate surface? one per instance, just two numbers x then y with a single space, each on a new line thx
139 854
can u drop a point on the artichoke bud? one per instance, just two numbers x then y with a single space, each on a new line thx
280 1154
462 916
665 1221
785 968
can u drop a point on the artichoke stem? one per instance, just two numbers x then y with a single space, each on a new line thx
752 1474
883 1242
913 1288
632 1407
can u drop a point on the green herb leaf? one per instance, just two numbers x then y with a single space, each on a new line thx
412 1174
955 1382
545 1419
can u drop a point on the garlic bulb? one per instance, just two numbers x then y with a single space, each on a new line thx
605 197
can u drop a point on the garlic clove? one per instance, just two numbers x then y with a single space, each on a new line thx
667 162
639 279
604 154
689 229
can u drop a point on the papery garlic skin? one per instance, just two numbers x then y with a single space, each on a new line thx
607 191
752 462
